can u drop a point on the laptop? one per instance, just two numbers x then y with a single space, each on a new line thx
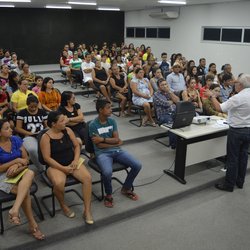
185 112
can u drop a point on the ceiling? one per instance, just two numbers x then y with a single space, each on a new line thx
124 5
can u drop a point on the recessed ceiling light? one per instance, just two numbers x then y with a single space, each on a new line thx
58 7
7 6
172 2
111 9
16 1
82 3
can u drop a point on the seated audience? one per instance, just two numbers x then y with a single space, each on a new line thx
38 84
226 87
212 71
64 63
119 89
193 74
191 94
188 70
6 58
4 76
164 65
13 160
19 98
61 152
4 104
13 82
142 95
49 97
29 123
27 75
176 79
106 65
165 106
208 82
104 134
101 80
13 63
157 74
87 69
202 70
208 107
75 68
73 111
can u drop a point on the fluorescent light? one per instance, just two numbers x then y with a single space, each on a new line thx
7 6
111 9
58 7
172 2
82 3
16 1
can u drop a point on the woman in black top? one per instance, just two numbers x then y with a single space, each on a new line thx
61 151
101 80
72 110
119 88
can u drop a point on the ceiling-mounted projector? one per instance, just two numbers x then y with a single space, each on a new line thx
165 15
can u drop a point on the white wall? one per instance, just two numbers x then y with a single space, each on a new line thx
186 33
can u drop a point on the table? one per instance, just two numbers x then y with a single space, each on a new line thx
197 143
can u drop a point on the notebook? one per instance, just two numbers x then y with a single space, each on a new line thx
185 112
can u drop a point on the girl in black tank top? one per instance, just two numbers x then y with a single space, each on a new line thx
62 150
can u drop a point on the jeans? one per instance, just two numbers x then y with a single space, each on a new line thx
238 140
31 145
105 162
168 118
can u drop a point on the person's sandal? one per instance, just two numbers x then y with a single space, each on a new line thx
130 194
37 234
87 220
108 201
15 220
70 214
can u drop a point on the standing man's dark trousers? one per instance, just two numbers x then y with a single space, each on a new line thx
237 156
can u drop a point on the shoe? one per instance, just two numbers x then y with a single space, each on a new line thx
223 187
15 220
144 121
70 214
240 186
88 221
129 194
108 201
37 234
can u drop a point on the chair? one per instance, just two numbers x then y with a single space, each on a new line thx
4 197
137 109
70 181
116 111
89 147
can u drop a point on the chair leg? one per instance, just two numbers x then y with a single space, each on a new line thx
40 213
1 218
52 196
134 121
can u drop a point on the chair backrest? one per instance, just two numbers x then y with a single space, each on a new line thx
40 155
89 146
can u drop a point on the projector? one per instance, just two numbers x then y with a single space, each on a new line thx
200 119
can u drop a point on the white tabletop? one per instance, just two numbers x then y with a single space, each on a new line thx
216 124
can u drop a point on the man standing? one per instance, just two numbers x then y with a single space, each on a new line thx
238 138
104 134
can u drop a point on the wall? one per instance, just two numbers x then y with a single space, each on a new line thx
186 33
38 35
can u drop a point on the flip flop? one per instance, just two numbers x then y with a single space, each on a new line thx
130 194
108 201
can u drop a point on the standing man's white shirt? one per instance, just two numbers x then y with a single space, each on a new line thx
238 108
86 65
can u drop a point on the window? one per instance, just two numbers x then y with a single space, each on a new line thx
148 32
163 32
151 32
247 36
231 35
139 32
130 32
211 34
